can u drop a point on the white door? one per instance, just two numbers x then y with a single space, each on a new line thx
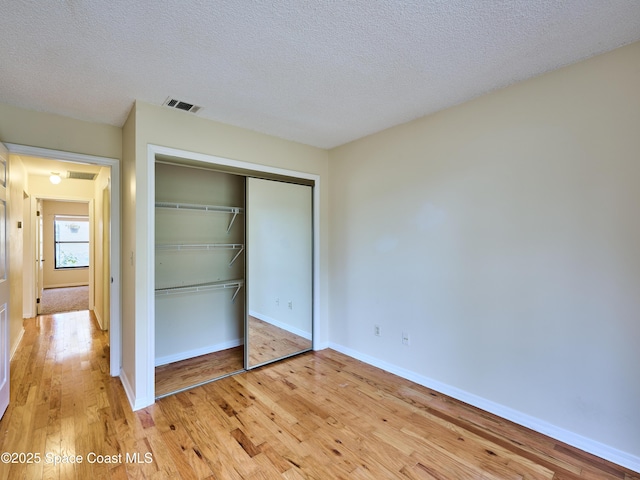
4 282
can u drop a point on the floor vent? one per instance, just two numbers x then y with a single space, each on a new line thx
180 105
81 175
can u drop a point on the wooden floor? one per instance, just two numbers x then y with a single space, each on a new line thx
177 376
317 415
266 342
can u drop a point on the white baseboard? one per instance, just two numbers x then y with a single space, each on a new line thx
321 346
135 403
16 344
281 325
98 318
176 357
66 285
601 450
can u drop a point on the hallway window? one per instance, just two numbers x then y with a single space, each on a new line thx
71 241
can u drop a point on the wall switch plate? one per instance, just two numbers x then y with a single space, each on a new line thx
290 305
405 338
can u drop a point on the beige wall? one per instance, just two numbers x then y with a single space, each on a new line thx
69 189
16 188
101 259
68 277
162 126
45 130
128 238
503 235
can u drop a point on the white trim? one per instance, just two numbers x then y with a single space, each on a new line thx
14 349
177 357
152 151
601 450
16 149
115 329
67 285
136 403
150 374
98 318
281 325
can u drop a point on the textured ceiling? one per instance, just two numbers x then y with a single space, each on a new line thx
319 72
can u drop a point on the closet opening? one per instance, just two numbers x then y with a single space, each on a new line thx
233 269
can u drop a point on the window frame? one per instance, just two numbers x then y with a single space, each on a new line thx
56 242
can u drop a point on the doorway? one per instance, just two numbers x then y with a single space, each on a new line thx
64 239
102 197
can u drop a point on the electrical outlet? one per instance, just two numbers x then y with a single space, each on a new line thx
290 305
376 330
405 338
277 302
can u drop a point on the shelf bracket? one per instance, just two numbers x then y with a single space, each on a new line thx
233 219
233 299
237 255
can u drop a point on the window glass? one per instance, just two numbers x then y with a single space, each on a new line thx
71 241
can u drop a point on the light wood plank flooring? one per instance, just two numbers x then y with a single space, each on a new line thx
318 415
266 342
177 376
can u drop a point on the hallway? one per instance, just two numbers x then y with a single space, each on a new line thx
63 400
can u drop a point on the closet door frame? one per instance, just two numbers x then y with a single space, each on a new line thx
231 166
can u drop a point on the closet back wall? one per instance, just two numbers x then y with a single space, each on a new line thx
193 324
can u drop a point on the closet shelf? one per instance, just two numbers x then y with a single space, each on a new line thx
235 211
200 246
203 287
204 246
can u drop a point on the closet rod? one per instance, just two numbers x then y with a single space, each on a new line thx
195 206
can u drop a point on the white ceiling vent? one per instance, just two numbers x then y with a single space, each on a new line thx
81 175
180 105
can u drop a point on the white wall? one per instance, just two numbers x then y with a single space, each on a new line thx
503 235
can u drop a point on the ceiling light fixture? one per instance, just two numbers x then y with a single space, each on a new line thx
55 178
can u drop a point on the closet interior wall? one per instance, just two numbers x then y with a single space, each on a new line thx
199 262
